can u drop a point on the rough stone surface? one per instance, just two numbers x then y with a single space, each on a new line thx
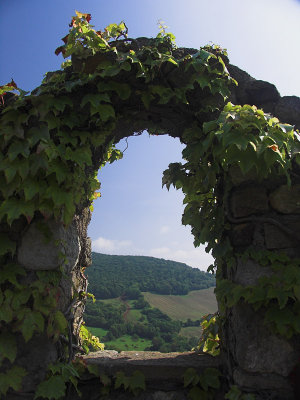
248 272
278 238
249 200
36 253
256 349
41 352
242 234
163 373
287 110
286 200
253 357
267 386
157 367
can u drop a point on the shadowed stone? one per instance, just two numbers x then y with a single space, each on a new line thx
286 199
249 200
36 253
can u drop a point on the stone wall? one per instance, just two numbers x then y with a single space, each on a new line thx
39 252
265 216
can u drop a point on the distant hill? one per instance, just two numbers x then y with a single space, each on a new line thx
112 276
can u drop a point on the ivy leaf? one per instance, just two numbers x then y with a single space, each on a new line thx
10 272
16 148
137 382
94 99
6 313
20 298
122 89
211 378
234 393
94 370
31 188
279 294
105 380
14 208
32 321
106 112
10 173
113 70
8 347
81 156
57 324
146 99
190 377
6 245
12 378
35 134
121 379
296 290
52 388
283 320
51 120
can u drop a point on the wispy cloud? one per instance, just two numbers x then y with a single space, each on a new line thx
195 257
111 246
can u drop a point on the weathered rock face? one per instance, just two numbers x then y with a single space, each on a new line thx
45 250
49 246
265 217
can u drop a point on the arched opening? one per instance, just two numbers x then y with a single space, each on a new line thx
241 167
135 216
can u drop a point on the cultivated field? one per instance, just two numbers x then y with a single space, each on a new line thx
125 342
193 305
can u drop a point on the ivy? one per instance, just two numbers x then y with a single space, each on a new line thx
203 386
54 140
210 342
277 292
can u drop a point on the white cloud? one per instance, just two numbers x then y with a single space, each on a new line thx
194 257
164 229
110 246
160 252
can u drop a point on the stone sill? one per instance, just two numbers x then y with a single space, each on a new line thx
163 372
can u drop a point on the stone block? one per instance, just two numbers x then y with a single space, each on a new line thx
37 253
242 234
278 388
258 350
287 110
261 92
277 238
286 200
248 272
248 201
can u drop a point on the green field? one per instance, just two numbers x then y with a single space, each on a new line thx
100 332
123 343
191 331
193 305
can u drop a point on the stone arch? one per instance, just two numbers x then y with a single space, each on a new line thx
250 356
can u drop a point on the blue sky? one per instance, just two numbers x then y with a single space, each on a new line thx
135 215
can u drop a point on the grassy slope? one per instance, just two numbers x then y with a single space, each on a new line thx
125 342
193 305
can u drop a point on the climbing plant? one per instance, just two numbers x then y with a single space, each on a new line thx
54 140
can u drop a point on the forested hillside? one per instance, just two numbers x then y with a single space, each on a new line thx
113 276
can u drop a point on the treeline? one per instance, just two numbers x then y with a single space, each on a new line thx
113 276
153 325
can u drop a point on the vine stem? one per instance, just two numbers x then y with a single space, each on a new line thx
269 220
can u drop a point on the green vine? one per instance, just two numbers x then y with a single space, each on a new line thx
54 140
203 386
278 292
